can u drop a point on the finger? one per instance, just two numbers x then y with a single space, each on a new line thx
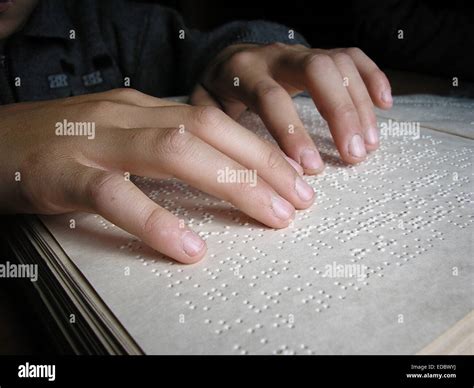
152 152
126 96
125 205
319 74
375 79
360 97
230 138
254 153
295 165
276 109
120 96
201 96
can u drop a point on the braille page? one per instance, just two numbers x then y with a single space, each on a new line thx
447 114
382 263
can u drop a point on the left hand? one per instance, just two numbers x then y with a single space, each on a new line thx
345 84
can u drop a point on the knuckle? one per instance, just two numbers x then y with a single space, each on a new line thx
265 90
97 108
344 110
342 58
277 46
354 51
139 138
274 160
240 60
145 139
207 116
172 143
299 46
101 187
152 220
317 62
126 93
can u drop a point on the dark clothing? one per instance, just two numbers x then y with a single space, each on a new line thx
115 40
438 36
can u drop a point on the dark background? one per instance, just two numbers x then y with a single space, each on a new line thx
438 36
438 41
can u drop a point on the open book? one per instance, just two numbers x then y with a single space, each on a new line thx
381 264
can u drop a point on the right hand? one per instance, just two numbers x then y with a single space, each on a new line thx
139 134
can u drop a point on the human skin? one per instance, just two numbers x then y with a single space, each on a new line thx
13 18
345 85
142 135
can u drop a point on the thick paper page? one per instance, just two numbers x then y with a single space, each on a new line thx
403 218
453 115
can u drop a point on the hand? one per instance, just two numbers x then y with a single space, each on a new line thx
47 173
344 84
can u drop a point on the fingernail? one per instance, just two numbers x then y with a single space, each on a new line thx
311 160
282 209
387 97
295 165
304 191
372 136
192 243
357 147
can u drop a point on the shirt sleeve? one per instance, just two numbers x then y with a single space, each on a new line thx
197 49
164 57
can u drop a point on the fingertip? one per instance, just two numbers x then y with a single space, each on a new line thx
295 165
314 171
386 99
194 259
305 193
194 248
283 212
311 161
372 147
372 138
356 150
379 88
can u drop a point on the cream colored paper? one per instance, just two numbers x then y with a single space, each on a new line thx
404 217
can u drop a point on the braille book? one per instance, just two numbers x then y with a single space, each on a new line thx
380 264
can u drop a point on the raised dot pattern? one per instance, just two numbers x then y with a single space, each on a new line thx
257 283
